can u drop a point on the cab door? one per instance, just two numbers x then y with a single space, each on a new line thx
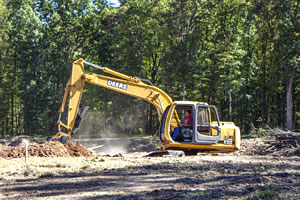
207 123
168 122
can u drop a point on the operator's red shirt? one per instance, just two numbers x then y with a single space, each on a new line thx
189 121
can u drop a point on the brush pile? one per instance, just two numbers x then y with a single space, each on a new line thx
275 142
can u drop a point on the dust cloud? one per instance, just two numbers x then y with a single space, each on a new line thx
98 128
98 124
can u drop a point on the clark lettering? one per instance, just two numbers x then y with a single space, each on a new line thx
117 84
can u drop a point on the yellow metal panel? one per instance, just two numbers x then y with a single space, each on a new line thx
237 138
120 75
168 123
76 89
62 108
201 147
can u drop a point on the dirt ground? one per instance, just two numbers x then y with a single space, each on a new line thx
240 175
46 149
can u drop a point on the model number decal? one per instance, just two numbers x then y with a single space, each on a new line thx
117 84
227 142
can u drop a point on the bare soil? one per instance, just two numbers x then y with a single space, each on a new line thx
47 149
75 149
248 174
137 177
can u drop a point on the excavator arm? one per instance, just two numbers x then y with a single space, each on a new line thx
129 85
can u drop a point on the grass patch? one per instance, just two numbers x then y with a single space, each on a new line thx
267 192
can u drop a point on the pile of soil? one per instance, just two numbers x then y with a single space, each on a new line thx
274 142
47 149
75 149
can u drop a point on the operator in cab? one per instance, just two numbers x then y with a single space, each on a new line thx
184 130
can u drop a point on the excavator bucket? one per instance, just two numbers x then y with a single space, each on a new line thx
80 114
62 139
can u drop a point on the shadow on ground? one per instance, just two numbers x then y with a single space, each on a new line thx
207 180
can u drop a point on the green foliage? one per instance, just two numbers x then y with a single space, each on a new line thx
267 192
236 55
260 132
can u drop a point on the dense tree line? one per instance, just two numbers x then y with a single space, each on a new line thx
242 56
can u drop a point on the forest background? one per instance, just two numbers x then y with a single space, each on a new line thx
240 55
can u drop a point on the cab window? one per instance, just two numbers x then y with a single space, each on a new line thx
203 121
203 116
213 116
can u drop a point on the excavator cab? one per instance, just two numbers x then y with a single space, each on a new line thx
207 133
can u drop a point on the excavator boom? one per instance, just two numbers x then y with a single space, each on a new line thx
129 85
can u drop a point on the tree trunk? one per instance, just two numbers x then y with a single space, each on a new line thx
6 124
264 103
229 106
12 115
289 101
279 110
151 120
140 53
182 88
184 69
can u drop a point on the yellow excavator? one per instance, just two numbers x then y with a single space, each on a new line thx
206 134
